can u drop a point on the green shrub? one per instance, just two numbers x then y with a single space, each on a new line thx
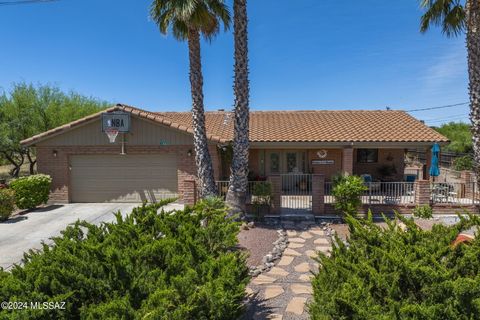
425 212
387 273
148 265
31 191
347 191
7 203
463 163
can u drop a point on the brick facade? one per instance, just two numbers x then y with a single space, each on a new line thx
54 161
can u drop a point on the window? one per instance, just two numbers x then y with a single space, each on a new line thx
274 163
367 155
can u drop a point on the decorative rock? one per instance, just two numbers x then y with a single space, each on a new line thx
301 289
273 291
285 261
248 291
251 225
302 267
275 271
296 305
296 240
274 316
291 252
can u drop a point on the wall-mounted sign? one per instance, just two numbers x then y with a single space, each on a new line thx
322 162
117 120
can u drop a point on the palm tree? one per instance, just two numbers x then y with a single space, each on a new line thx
188 19
236 195
454 18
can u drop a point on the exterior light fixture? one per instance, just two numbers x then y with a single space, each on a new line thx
189 152
55 153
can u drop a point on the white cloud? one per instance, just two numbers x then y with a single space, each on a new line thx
448 69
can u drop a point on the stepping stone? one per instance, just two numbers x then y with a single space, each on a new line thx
291 252
302 267
291 233
301 289
263 279
322 241
272 292
296 305
296 240
323 249
306 235
318 232
293 245
307 277
275 271
311 253
274 316
285 261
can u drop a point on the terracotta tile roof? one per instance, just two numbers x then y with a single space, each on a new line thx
320 126
288 126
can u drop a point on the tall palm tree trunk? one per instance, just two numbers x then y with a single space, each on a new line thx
203 160
236 195
473 50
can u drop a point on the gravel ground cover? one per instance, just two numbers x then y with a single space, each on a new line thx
258 241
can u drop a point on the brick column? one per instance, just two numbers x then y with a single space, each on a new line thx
318 192
189 192
466 178
347 160
428 162
276 182
422 192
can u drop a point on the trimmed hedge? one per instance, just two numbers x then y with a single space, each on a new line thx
395 274
149 265
31 191
7 203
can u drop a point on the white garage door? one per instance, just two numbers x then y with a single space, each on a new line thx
127 178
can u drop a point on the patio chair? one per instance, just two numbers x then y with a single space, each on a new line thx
369 183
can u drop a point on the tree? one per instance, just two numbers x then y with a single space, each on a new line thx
460 136
454 17
28 110
188 19
236 195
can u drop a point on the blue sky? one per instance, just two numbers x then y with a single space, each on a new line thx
305 54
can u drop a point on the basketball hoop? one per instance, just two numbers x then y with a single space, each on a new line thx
112 134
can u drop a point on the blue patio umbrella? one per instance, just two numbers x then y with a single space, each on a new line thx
434 169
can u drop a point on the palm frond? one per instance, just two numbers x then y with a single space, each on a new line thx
180 16
450 15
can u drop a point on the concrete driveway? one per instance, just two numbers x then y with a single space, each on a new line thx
24 232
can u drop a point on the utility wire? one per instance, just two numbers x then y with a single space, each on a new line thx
441 107
20 2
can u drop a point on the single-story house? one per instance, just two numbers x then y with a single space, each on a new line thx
158 156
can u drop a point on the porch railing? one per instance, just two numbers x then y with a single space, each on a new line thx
380 193
222 187
454 193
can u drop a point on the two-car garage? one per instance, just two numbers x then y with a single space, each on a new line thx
122 178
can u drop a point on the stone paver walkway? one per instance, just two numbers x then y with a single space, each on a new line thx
283 292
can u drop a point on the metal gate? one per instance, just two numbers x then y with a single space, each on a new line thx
296 196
